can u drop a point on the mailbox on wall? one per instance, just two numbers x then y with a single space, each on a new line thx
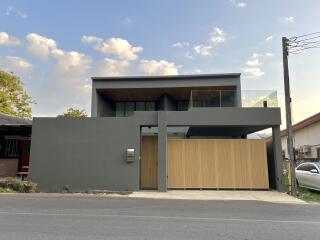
130 155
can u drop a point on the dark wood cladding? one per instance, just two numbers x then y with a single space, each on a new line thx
152 94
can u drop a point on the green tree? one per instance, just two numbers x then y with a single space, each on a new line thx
74 113
14 100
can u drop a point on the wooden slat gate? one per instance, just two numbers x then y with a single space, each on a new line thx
217 164
149 163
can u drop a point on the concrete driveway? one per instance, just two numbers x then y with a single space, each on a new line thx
267 196
59 216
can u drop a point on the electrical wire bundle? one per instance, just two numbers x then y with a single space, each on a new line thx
298 44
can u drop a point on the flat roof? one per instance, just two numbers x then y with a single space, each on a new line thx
7 120
168 77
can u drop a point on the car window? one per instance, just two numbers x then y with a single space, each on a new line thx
303 167
306 167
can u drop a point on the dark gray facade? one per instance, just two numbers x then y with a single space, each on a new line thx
90 153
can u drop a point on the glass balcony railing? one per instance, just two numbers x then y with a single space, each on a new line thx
259 98
232 98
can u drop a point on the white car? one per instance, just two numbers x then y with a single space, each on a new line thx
308 175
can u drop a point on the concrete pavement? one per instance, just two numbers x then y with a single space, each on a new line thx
267 196
45 216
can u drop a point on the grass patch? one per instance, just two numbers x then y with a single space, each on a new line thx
308 195
11 184
304 194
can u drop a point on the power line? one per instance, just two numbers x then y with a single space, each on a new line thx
295 51
297 44
302 40
301 36
302 44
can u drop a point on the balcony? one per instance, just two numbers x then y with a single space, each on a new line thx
233 98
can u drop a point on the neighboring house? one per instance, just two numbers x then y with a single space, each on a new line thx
15 135
306 139
161 132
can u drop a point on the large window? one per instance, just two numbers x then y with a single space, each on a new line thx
183 105
9 148
125 109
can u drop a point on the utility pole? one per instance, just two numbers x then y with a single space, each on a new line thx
285 53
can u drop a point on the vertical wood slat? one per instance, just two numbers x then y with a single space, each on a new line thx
225 163
217 163
259 165
149 156
192 164
242 164
208 164
176 166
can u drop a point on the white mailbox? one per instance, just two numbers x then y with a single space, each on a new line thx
130 155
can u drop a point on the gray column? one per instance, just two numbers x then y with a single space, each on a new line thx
94 100
277 157
162 151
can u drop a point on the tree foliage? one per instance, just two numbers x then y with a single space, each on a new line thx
14 100
74 113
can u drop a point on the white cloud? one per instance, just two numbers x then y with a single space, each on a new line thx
253 65
6 39
254 62
114 46
67 74
204 50
69 66
287 19
217 35
13 11
181 44
252 72
111 67
238 3
256 55
40 46
162 67
269 38
72 66
14 64
253 69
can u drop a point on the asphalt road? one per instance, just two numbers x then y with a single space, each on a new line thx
84 217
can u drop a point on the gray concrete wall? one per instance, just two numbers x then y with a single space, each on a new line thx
163 82
84 153
227 116
89 153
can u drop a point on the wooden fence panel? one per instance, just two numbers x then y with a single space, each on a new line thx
192 164
176 167
217 163
259 165
242 161
209 164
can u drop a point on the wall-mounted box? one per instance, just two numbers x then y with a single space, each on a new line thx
130 155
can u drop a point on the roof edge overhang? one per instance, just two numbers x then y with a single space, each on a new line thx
168 77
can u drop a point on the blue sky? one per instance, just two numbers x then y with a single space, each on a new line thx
56 46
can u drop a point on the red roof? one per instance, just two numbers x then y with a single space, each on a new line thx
304 123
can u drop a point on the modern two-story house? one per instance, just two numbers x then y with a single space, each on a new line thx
161 132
